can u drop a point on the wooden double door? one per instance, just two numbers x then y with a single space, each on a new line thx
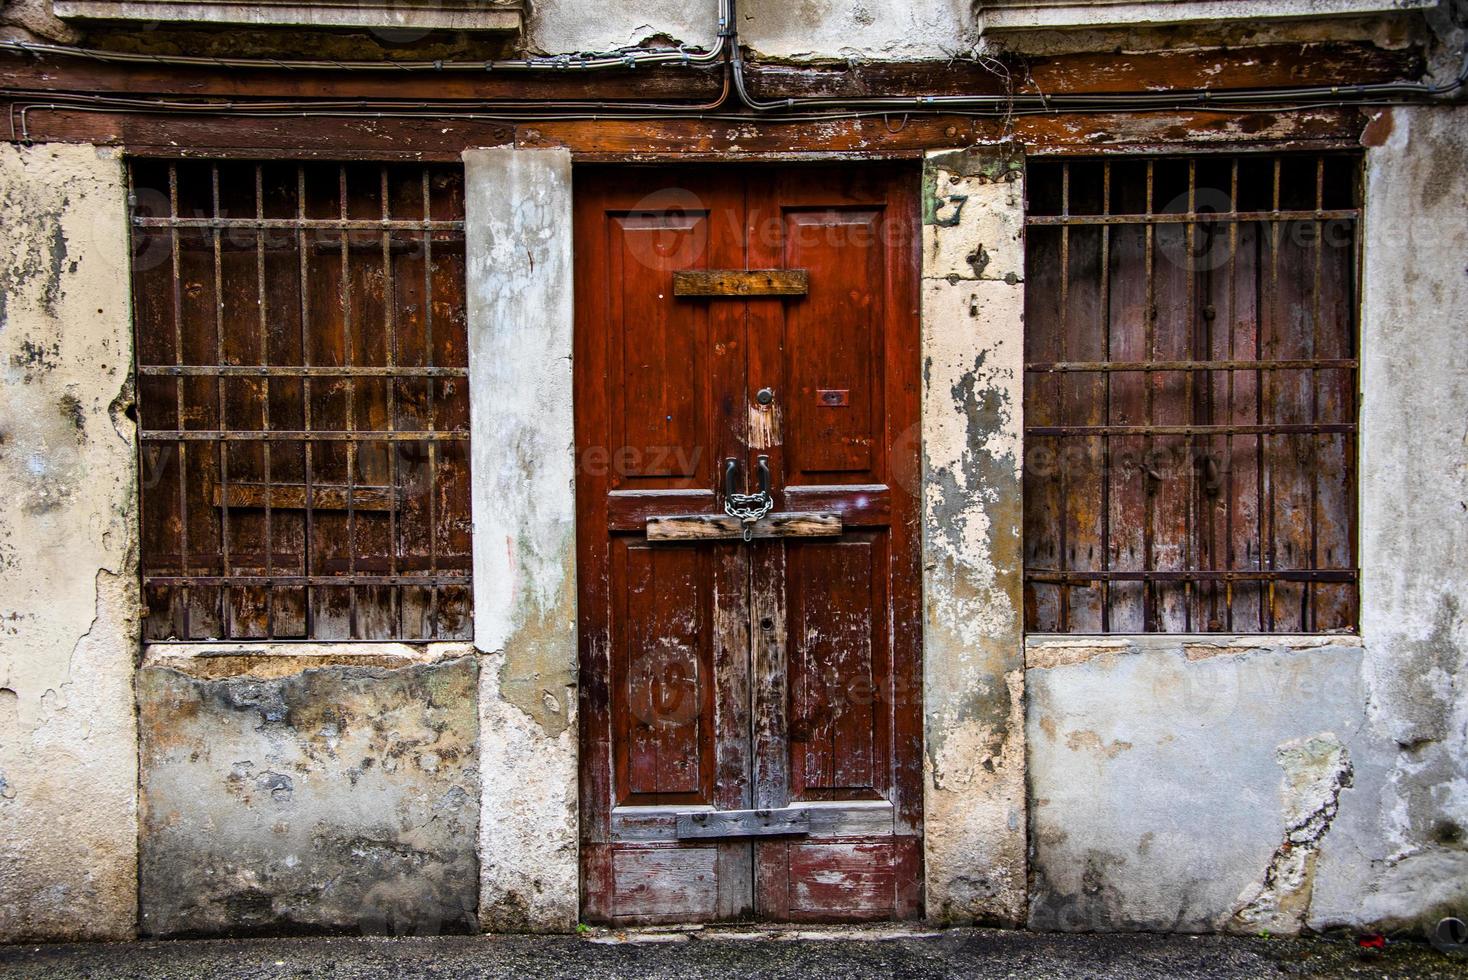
750 709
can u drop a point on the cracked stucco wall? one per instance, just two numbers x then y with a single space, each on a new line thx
1410 860
825 30
973 337
309 787
68 551
558 26
940 30
1278 784
858 30
1185 784
518 241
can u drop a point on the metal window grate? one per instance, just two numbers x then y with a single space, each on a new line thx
302 394
1190 394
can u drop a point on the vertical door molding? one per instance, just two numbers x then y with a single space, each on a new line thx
518 241
973 642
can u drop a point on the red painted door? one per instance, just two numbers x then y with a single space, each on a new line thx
751 742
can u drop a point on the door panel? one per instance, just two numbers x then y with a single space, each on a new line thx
780 673
833 345
663 663
659 361
838 667
840 881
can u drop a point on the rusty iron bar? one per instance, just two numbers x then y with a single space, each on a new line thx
345 298
389 313
247 560
223 616
265 448
1194 217
303 291
1211 337
441 578
1149 520
1311 599
427 195
297 371
1064 337
302 435
1105 272
179 393
1276 429
1230 377
301 223
218 590
1266 510
1199 575
1189 529
1058 367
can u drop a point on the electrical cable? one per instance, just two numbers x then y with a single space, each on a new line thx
726 49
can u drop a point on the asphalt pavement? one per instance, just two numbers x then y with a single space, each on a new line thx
734 954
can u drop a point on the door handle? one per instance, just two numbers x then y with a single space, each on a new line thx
731 477
762 468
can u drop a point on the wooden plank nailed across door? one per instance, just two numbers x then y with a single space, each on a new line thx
751 710
703 824
721 527
741 282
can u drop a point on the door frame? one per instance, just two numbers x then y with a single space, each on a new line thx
615 860
525 569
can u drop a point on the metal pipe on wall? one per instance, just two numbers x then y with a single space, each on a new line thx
726 49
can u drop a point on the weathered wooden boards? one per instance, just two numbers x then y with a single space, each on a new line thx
257 496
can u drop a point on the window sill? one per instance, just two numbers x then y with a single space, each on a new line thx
1047 650
457 15
1017 16
278 658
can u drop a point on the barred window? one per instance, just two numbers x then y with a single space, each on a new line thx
303 399
1190 394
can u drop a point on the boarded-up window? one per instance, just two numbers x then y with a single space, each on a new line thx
302 391
1190 394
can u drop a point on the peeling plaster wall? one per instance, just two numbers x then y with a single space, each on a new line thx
1189 784
1411 864
1269 783
859 30
68 553
559 26
319 789
973 335
518 230
832 30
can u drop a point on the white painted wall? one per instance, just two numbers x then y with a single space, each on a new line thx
68 549
518 241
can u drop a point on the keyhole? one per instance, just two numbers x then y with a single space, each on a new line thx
765 396
767 624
